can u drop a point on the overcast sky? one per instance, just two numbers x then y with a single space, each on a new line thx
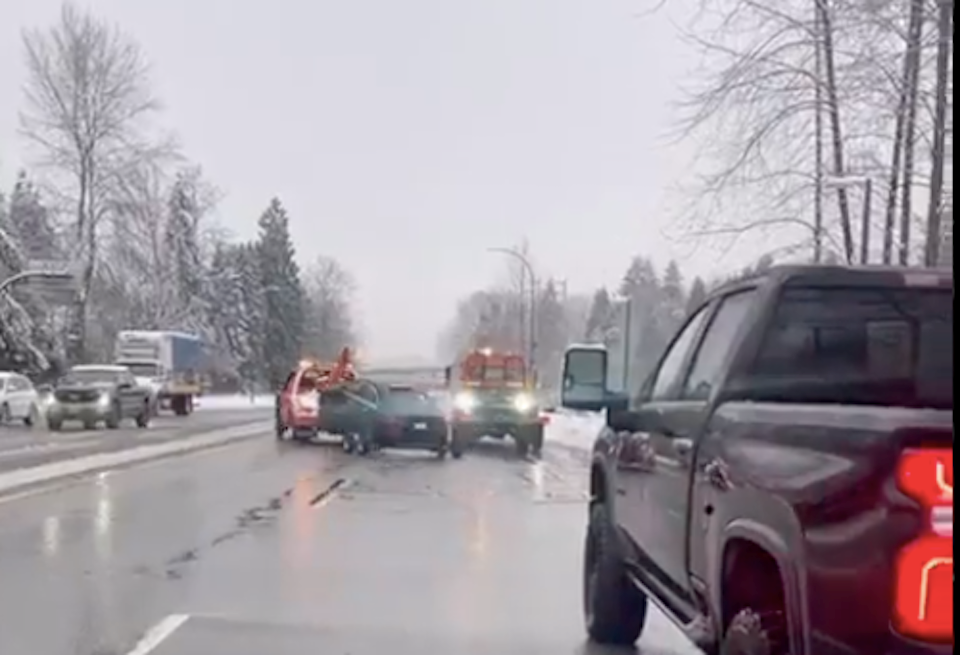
406 137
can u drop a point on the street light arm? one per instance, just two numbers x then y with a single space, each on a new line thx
25 275
528 267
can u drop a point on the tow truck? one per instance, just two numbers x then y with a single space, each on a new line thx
493 396
297 413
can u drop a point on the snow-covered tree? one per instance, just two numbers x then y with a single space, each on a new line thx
181 242
329 327
600 320
30 222
552 333
284 311
697 295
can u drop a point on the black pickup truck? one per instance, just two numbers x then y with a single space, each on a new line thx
783 483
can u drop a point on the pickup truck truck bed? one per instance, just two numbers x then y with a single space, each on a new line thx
783 484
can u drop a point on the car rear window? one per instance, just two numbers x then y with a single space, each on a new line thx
412 401
861 346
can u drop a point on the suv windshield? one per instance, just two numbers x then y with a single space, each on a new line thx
90 376
143 370
858 346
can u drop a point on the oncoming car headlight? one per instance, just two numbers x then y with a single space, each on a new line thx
104 400
465 401
523 403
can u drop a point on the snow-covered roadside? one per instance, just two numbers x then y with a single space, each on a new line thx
574 429
234 401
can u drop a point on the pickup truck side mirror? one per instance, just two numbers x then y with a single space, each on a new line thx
637 420
585 382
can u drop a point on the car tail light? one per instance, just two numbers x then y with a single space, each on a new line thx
306 403
923 607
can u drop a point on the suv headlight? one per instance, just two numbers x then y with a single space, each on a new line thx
523 403
465 401
104 400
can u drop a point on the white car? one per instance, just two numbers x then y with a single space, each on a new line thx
19 400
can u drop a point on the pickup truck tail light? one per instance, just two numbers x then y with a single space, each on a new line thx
923 601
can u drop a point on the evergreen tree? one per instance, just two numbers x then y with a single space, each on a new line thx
284 315
698 295
641 285
600 318
672 298
551 333
30 222
182 247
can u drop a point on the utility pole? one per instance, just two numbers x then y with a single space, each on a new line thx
819 150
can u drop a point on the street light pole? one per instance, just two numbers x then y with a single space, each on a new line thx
627 327
532 323
867 184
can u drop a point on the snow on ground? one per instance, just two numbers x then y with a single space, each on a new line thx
575 429
238 401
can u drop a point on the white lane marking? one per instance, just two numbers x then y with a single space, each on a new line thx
159 634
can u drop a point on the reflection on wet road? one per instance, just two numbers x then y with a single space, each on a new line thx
483 549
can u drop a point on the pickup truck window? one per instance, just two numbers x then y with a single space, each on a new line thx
708 365
672 365
863 346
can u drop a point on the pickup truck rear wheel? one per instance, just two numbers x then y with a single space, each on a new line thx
747 635
614 608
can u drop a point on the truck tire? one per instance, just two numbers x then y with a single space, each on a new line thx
458 443
113 420
615 610
182 405
143 418
536 440
747 635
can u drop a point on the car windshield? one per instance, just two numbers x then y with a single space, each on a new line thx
90 376
858 346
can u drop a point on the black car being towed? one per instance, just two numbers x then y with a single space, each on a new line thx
372 415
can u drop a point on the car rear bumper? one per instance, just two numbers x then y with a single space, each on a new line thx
427 434
475 429
94 411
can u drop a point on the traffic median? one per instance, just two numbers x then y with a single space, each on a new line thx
25 478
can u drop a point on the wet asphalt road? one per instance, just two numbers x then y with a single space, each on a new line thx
406 555
22 447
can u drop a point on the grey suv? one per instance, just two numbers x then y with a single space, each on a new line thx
95 394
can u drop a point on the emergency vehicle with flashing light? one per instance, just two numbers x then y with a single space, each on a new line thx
783 482
493 396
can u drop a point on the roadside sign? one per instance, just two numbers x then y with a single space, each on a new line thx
53 291
54 287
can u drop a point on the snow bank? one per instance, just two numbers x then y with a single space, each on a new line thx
576 429
239 401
